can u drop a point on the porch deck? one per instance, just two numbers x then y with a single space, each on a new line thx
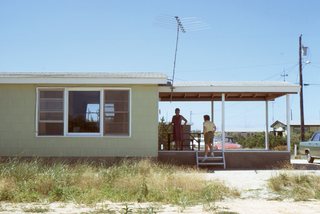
235 159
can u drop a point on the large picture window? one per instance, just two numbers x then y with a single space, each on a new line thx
116 112
50 113
84 112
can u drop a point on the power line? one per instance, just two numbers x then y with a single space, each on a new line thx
311 84
289 70
240 67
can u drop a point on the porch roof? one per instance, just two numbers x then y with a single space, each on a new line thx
234 91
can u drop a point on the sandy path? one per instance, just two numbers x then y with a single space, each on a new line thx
242 206
258 206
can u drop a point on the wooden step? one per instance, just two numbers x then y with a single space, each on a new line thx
215 152
211 158
216 160
210 164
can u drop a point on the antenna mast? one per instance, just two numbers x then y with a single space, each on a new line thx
179 27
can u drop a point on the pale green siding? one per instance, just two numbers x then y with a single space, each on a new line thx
18 127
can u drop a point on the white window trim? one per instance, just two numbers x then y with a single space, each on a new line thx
38 89
37 112
66 110
89 134
130 112
65 116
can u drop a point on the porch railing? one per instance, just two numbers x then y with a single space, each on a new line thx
190 139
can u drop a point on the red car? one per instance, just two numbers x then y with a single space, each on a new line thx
228 143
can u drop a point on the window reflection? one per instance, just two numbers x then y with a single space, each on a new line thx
84 112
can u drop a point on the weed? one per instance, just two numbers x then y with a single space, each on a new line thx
183 203
36 209
226 212
102 211
210 207
151 210
298 187
126 210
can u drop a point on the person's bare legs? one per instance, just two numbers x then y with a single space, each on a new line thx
178 145
208 146
211 149
206 150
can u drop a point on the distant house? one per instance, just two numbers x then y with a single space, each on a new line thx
280 129
308 126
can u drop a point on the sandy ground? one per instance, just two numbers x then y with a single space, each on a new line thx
255 195
255 198
256 206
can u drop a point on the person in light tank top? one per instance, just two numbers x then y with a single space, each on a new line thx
208 130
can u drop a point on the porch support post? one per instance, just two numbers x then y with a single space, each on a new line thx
223 119
288 121
266 138
212 110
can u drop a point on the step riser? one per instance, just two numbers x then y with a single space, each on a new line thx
210 158
211 164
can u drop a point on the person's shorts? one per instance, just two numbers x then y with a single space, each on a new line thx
208 138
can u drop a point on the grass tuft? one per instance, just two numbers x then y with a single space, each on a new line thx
128 181
298 187
36 210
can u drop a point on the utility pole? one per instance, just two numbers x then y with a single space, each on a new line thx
301 90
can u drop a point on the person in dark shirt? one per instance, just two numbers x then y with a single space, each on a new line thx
178 128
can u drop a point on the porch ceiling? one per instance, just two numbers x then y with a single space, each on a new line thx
234 91
214 96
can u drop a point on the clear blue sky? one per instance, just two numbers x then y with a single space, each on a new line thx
246 40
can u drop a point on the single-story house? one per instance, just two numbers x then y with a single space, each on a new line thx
115 114
279 128
309 126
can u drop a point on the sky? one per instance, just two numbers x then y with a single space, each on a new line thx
245 40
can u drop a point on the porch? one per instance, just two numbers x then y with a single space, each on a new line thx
234 159
224 92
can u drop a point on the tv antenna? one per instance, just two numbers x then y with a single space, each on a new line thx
284 75
180 24
179 28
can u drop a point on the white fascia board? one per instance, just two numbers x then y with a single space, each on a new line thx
75 80
226 89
